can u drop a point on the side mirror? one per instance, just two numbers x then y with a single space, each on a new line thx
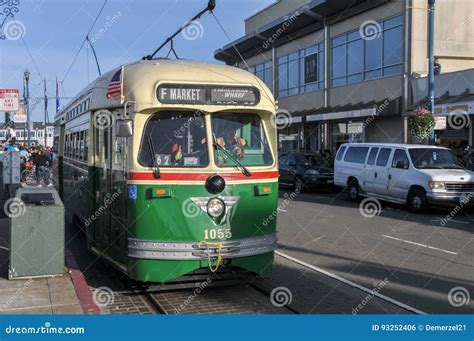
402 165
124 128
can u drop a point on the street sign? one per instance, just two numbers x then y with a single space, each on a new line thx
440 122
20 115
9 100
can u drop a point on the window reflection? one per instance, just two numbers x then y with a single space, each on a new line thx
355 59
301 71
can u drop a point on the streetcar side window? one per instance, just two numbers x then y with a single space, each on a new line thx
177 139
86 146
97 139
106 144
66 144
81 146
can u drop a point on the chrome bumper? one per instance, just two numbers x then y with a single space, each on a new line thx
465 198
149 249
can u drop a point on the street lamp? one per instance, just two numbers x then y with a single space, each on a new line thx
26 75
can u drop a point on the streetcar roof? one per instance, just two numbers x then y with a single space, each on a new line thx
141 78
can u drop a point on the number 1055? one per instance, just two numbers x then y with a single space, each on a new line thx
217 234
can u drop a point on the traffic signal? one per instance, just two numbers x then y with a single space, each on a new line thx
7 119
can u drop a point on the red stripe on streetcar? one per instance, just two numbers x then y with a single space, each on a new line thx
202 176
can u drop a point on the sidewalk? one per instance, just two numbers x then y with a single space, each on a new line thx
54 295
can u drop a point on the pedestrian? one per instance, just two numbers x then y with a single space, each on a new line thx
24 157
327 154
41 162
437 67
11 146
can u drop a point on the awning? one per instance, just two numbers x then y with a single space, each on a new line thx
455 134
342 115
305 19
446 104
348 111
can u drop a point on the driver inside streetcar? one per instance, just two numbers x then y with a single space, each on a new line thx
233 143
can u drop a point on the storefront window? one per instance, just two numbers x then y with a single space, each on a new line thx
355 59
301 71
343 132
289 139
264 71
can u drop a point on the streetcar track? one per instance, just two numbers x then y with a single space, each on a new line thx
162 298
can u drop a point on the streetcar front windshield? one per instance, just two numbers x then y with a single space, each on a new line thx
174 139
242 138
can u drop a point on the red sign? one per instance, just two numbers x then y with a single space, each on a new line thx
9 100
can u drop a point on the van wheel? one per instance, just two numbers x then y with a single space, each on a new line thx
353 191
417 201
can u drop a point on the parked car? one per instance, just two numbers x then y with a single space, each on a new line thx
305 170
416 175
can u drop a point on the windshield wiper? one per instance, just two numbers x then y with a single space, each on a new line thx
155 168
243 169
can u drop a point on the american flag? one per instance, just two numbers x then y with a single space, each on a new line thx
115 85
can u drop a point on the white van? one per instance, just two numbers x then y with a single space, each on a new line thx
417 175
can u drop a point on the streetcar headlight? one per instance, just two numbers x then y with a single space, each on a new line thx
215 207
436 185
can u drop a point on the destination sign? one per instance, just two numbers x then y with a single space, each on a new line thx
211 95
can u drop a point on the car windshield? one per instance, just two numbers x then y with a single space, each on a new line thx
310 160
176 139
243 138
433 158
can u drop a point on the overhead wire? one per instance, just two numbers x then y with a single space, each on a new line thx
240 55
84 40
32 58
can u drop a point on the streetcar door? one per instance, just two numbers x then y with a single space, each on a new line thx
103 188
118 221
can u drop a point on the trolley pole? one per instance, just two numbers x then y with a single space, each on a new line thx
431 14
27 105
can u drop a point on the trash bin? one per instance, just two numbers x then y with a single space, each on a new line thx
9 177
3 196
37 233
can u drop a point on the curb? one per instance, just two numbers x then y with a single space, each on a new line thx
83 291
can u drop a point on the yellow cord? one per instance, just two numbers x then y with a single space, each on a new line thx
219 255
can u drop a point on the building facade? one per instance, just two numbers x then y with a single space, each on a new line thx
341 70
38 135
454 107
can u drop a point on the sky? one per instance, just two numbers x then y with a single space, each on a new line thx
126 30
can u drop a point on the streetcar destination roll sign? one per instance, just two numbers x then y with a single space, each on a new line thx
207 94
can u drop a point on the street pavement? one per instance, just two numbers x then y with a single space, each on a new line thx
419 257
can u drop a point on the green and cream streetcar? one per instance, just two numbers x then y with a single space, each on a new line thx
171 167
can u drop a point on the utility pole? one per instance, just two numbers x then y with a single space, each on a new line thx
24 103
45 145
27 96
431 14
